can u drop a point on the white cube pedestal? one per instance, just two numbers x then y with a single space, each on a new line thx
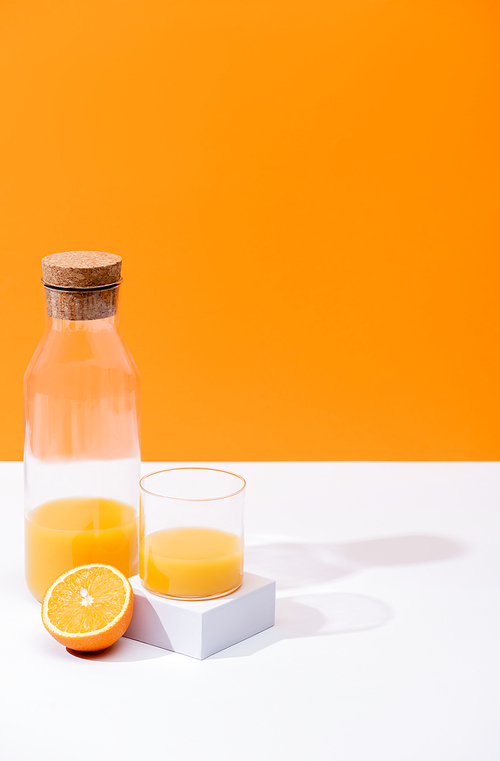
202 628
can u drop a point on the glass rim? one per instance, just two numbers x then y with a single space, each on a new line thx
191 499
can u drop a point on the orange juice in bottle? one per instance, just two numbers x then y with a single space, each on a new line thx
81 411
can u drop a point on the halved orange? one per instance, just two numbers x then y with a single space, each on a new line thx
89 607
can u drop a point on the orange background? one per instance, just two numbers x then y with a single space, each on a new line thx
306 197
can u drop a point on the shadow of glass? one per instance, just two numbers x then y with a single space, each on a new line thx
346 613
315 616
296 565
123 651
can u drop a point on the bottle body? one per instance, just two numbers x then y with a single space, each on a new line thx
82 451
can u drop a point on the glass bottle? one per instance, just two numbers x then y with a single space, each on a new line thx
81 414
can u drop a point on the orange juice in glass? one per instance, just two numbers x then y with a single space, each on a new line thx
191 533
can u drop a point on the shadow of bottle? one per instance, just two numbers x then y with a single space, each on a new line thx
295 565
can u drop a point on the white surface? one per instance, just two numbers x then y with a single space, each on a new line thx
200 629
386 645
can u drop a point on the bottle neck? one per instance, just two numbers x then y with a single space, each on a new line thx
91 309
87 326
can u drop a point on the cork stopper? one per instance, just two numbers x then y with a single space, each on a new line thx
81 269
81 285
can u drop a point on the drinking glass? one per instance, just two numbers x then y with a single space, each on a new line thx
191 533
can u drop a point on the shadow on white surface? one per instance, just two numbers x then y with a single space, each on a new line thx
295 565
123 651
315 615
334 613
